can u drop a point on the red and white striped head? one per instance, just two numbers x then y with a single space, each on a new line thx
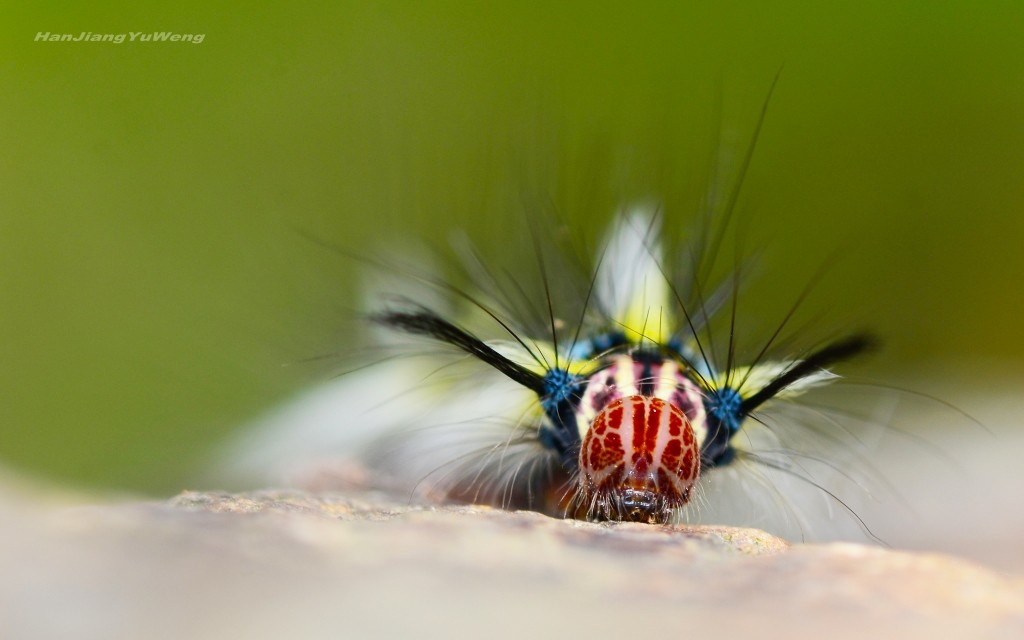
638 461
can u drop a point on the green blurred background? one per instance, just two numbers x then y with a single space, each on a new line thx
156 290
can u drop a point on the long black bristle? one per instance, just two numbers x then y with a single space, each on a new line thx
426 323
824 357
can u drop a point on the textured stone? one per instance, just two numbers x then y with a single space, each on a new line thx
295 565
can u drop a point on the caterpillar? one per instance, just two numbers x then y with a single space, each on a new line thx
596 389
601 397
631 408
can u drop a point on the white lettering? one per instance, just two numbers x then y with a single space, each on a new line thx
119 38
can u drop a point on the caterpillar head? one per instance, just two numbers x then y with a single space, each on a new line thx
638 461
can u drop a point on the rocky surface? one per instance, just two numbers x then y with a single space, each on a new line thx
294 565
